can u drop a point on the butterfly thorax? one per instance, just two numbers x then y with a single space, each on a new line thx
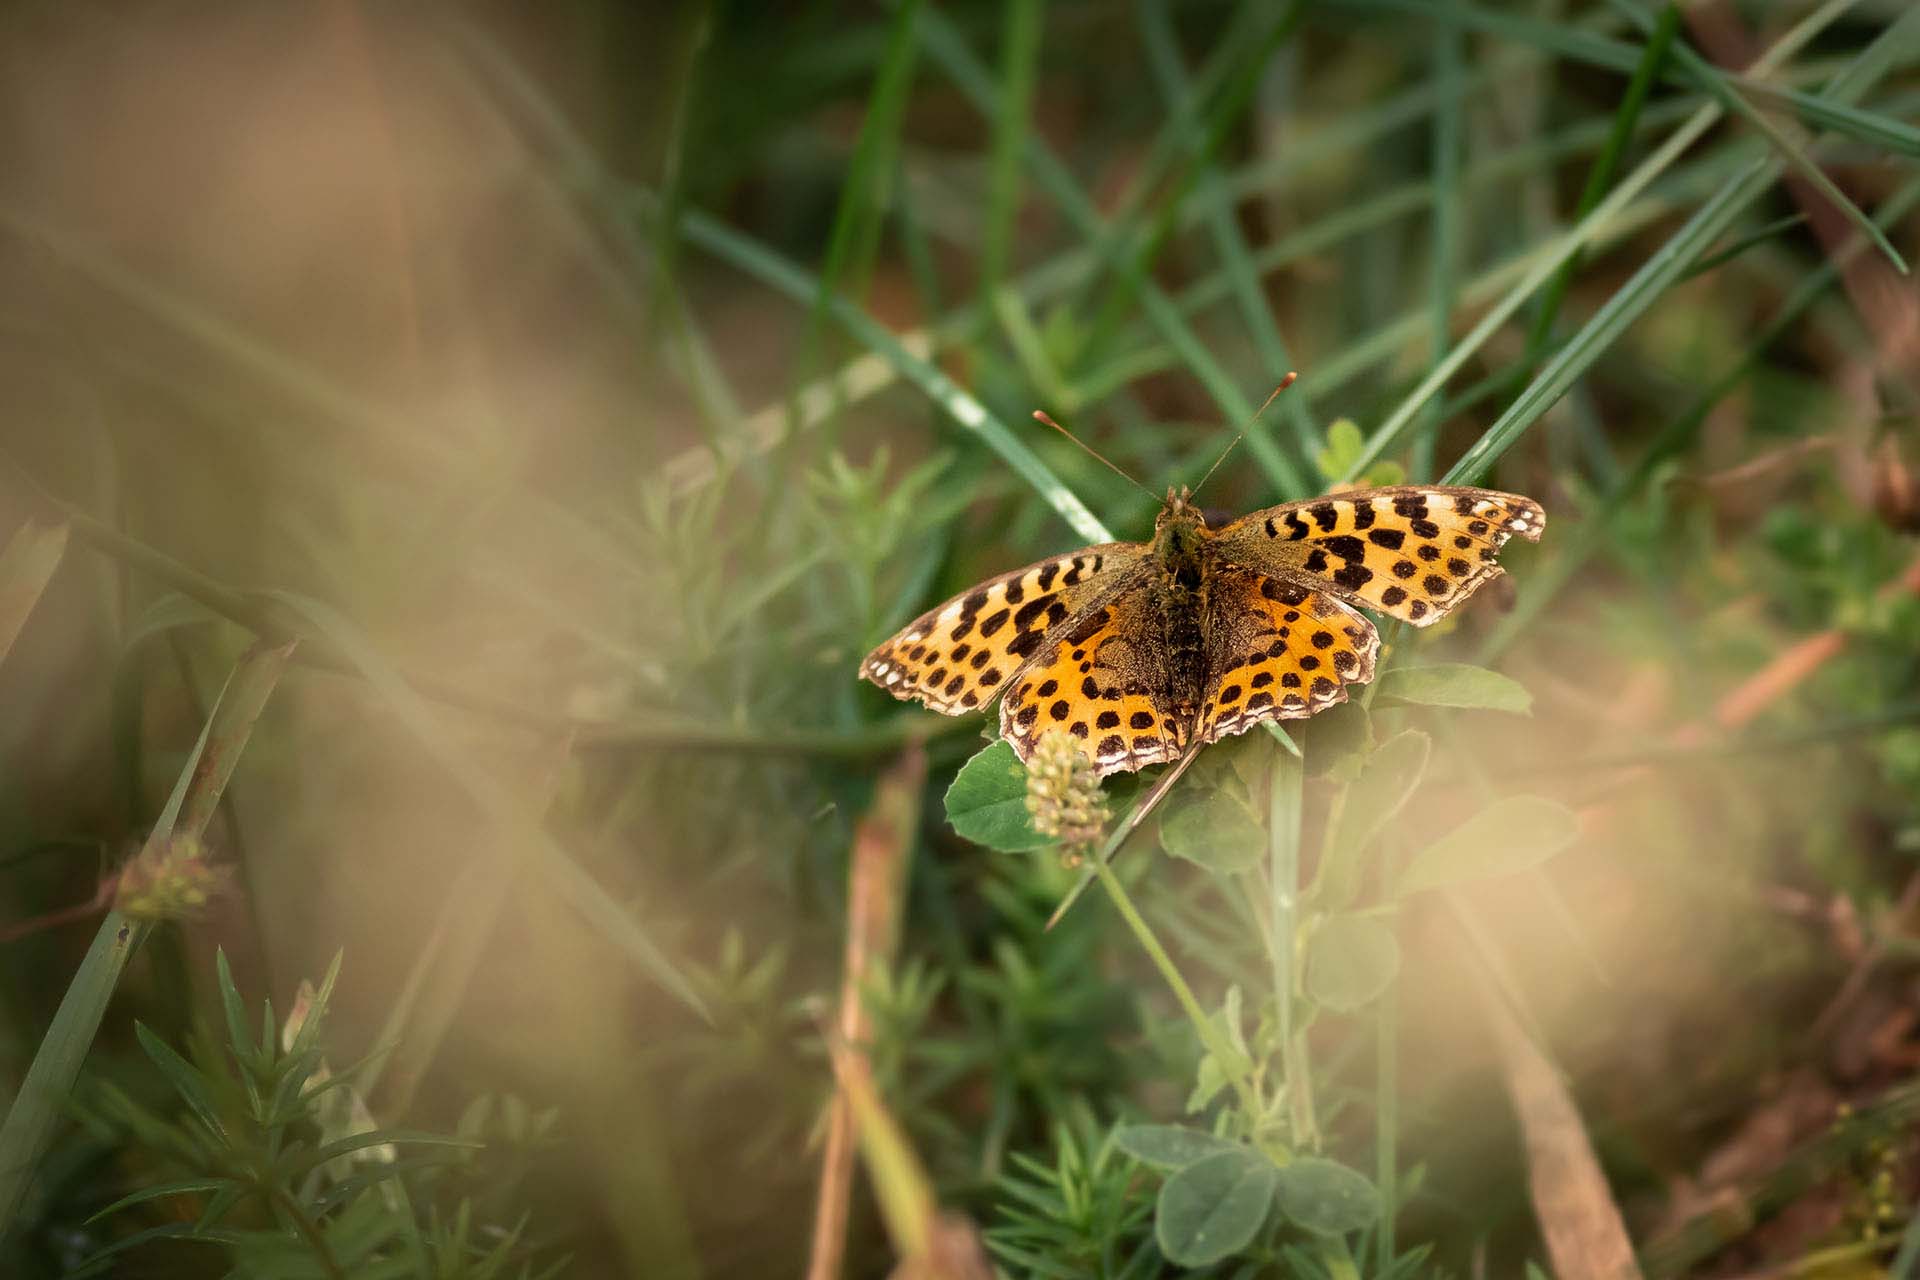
1179 540
1180 557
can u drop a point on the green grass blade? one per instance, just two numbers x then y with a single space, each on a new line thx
1546 261
1013 106
1626 305
41 1102
1236 257
1647 284
1592 531
1220 114
26 566
1445 222
1791 149
770 268
948 50
1286 778
1600 176
854 239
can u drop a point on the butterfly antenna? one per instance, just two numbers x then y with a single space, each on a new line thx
1284 384
1040 415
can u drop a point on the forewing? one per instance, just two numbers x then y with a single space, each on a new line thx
1412 552
956 657
1097 680
1278 650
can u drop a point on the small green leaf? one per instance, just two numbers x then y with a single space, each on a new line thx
987 802
1350 961
1169 1146
189 1187
1212 1208
1344 445
1217 831
1385 781
1507 836
1208 1080
1454 684
1326 1197
1335 739
185 1078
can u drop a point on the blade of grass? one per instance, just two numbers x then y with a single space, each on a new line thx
869 373
1445 247
1592 532
1236 258
1597 50
1218 116
1020 60
854 239
1285 781
26 566
948 50
1600 176
1659 272
1728 202
1792 149
42 1100
757 260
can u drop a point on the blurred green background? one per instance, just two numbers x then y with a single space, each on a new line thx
585 388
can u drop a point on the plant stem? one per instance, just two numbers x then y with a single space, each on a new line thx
309 1231
1231 1060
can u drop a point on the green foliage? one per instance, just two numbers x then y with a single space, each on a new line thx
577 543
1350 961
275 1161
1211 1209
1326 1198
1453 684
1507 836
987 802
1216 831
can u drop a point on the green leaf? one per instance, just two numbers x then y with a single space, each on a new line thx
189 1187
1387 778
1335 738
1507 836
183 1076
1454 684
1326 1197
1170 1146
1344 445
987 802
1217 831
41 1102
1350 960
238 1034
1212 1208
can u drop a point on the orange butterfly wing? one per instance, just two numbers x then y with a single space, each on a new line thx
958 656
1103 680
1278 650
1412 552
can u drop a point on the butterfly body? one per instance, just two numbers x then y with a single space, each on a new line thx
1141 649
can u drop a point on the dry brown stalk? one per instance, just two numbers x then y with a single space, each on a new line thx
882 844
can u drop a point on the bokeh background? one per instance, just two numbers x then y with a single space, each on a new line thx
586 387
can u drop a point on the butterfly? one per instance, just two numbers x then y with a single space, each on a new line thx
1143 649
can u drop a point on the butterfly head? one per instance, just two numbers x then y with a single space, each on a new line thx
1178 529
